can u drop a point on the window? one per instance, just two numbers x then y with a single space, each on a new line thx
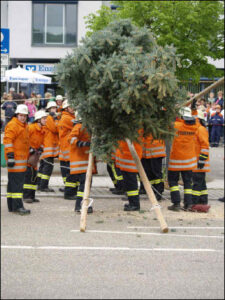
54 23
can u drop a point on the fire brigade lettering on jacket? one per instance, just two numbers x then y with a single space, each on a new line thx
183 155
153 148
16 140
65 126
78 155
202 148
51 139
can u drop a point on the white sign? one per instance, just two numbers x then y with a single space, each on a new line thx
4 59
2 72
40 68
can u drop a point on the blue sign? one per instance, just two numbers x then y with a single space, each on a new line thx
30 67
4 40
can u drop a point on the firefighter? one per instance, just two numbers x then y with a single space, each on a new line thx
125 162
153 153
36 138
50 147
216 121
59 101
16 141
116 177
65 126
79 140
182 159
199 189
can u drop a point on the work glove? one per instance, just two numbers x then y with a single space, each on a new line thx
83 144
32 151
201 165
40 150
11 160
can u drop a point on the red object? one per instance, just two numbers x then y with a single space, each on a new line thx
201 208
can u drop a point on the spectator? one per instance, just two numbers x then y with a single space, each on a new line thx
37 101
216 121
219 100
23 95
211 98
15 96
9 107
203 102
31 109
43 102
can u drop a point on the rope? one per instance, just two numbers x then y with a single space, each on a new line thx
91 200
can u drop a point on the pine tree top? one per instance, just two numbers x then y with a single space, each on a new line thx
120 81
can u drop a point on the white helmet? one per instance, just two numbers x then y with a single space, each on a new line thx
51 104
186 112
200 114
77 116
65 104
59 97
40 114
22 109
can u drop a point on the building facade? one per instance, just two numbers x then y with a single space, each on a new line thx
43 32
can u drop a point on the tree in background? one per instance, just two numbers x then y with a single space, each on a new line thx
120 81
195 28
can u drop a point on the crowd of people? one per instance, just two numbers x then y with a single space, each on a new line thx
38 131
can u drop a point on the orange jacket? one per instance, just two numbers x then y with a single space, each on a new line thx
124 158
36 137
202 148
51 138
65 126
79 155
16 140
183 155
153 148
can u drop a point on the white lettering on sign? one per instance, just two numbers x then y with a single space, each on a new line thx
40 68
4 59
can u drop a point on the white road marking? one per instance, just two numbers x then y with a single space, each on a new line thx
152 233
174 227
106 248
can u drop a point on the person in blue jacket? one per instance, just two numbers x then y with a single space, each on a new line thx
216 121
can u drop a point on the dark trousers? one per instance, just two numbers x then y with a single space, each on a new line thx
15 190
131 187
199 189
46 172
215 135
153 170
30 183
116 176
65 169
173 177
71 185
40 171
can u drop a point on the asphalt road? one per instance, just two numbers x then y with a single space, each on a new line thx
121 255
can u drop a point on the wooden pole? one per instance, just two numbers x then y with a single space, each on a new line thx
85 202
205 91
148 187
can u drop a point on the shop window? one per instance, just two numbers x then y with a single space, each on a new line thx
54 23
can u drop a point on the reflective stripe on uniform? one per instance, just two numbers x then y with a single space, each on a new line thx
182 166
196 193
16 195
155 153
82 162
8 145
70 184
17 167
78 168
205 150
43 176
80 194
30 187
204 192
127 166
132 193
183 161
174 188
156 181
187 191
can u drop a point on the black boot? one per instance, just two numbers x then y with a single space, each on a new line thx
21 211
174 207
